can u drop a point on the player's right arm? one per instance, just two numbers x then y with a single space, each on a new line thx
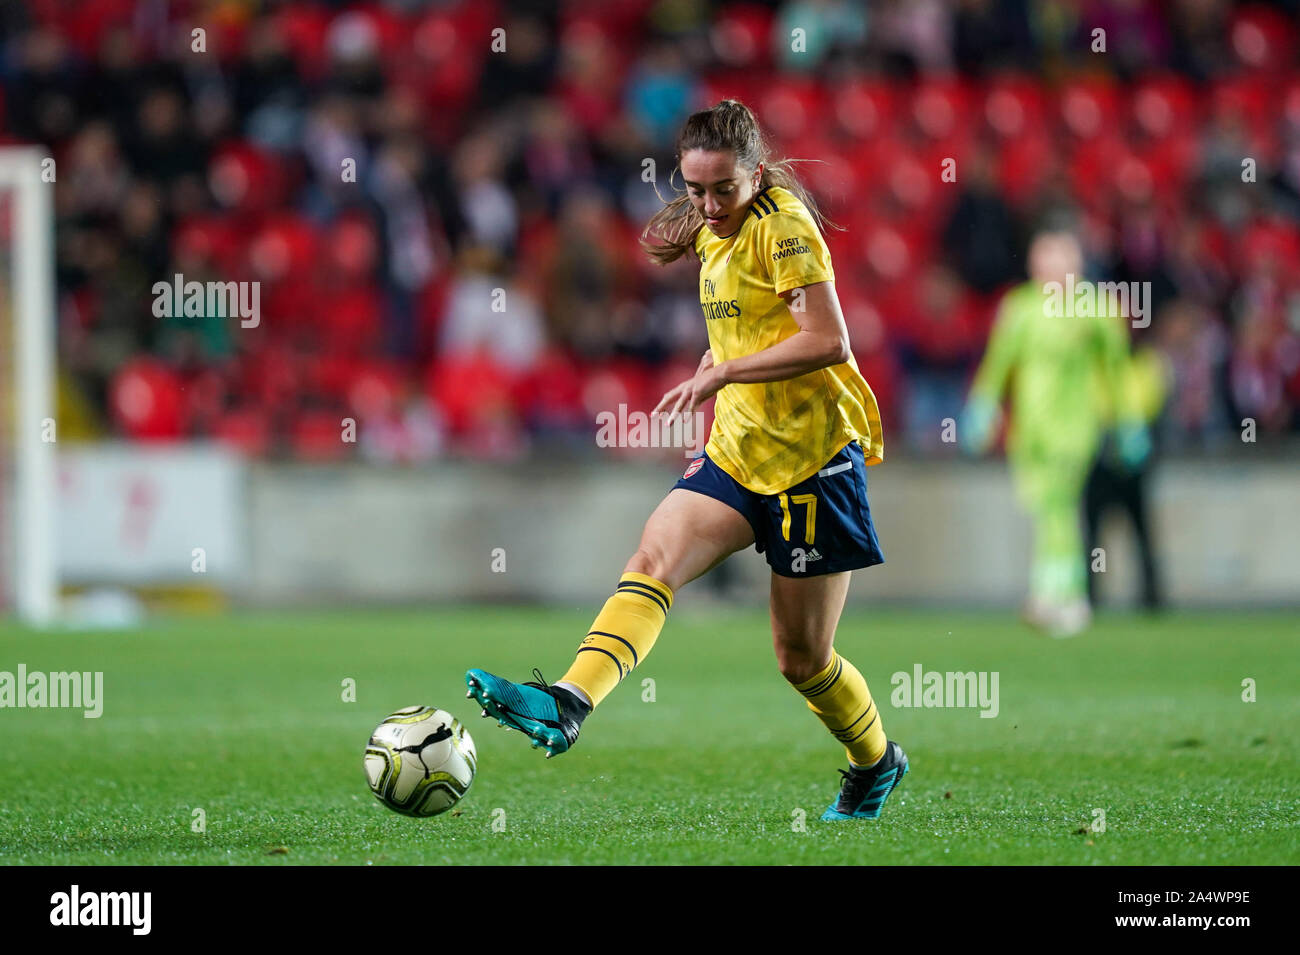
822 340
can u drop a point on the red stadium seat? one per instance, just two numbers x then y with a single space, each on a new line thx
831 175
623 22
445 63
550 393
1133 179
205 393
246 179
1250 97
374 390
911 184
865 109
1090 108
291 311
304 28
392 30
941 109
208 241
247 430
1163 106
146 401
351 321
1291 103
1173 163
324 377
743 85
469 389
1025 164
888 253
285 247
619 382
352 249
741 36
1014 107
1093 167
792 107
272 377
318 436
1262 38
589 85
1271 238
872 161
85 25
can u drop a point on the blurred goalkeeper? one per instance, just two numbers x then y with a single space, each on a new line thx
1062 360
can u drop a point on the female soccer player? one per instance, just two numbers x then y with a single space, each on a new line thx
784 468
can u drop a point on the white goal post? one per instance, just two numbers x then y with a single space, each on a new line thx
28 378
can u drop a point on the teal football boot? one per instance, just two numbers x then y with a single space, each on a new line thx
549 715
864 791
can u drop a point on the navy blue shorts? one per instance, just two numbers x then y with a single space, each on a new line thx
819 526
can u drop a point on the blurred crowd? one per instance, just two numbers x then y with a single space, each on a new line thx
441 201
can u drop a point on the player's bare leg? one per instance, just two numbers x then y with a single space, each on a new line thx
805 613
687 535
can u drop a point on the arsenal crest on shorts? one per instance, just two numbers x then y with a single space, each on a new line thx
694 466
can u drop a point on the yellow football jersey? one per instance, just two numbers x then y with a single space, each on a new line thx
771 435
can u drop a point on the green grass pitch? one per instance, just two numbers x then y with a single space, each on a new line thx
244 718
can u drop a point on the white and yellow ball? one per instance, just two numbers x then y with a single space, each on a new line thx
420 761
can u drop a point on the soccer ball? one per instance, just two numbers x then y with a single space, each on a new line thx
420 761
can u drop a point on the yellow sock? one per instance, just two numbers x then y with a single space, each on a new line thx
621 635
840 698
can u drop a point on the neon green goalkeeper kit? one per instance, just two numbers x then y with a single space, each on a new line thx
1063 374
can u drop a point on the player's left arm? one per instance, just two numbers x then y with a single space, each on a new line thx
793 256
821 341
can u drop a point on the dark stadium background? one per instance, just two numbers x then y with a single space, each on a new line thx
522 170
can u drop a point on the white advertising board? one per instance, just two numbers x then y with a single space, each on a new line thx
133 514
